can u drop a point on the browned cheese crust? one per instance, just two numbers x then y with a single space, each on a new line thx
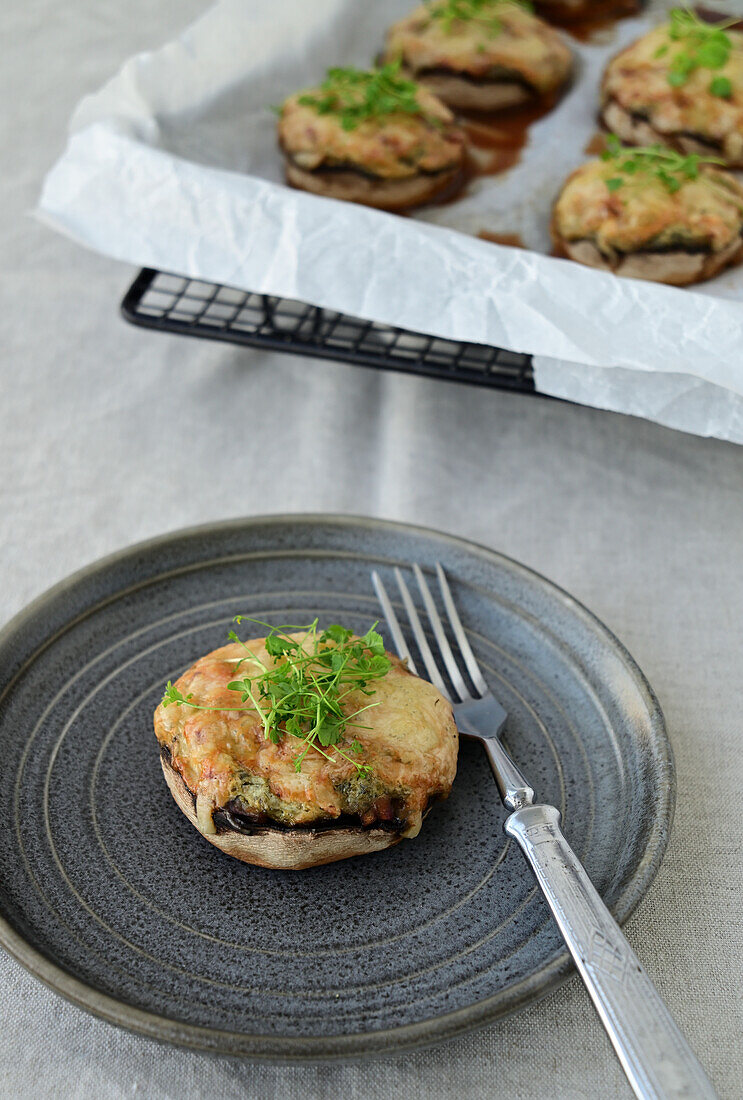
243 793
643 231
470 66
640 106
395 162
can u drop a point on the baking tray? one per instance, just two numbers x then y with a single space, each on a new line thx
192 307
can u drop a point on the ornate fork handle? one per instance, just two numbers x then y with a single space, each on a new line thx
656 1058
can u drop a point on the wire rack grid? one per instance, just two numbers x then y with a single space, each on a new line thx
191 307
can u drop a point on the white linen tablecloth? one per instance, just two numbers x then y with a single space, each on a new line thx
110 434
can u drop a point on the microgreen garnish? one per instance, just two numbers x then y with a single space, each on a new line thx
672 169
356 95
721 86
302 691
484 12
705 46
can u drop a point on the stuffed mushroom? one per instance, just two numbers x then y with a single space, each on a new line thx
305 747
651 214
371 137
680 85
480 54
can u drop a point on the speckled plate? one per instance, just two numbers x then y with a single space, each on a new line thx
109 895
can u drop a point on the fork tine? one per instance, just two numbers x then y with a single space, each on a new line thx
392 622
451 665
456 624
425 650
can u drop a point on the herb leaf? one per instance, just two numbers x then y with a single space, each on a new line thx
721 86
705 46
302 693
276 645
484 12
670 168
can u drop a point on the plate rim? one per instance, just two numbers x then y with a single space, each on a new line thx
387 1041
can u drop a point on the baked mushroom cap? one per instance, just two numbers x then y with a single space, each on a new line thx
284 849
404 155
642 106
644 230
498 56
243 791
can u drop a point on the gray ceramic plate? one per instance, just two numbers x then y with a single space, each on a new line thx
113 899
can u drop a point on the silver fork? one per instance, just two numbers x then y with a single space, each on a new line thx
654 1054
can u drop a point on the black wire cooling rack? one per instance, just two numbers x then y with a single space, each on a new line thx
173 303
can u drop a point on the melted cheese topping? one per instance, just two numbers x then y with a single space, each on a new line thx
396 146
642 214
410 741
524 47
638 81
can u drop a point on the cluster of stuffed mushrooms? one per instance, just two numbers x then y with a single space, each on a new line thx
389 136
660 203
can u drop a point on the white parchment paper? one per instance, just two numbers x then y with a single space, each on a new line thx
174 165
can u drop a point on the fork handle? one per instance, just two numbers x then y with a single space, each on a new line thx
654 1054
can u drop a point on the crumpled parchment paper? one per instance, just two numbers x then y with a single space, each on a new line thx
174 165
